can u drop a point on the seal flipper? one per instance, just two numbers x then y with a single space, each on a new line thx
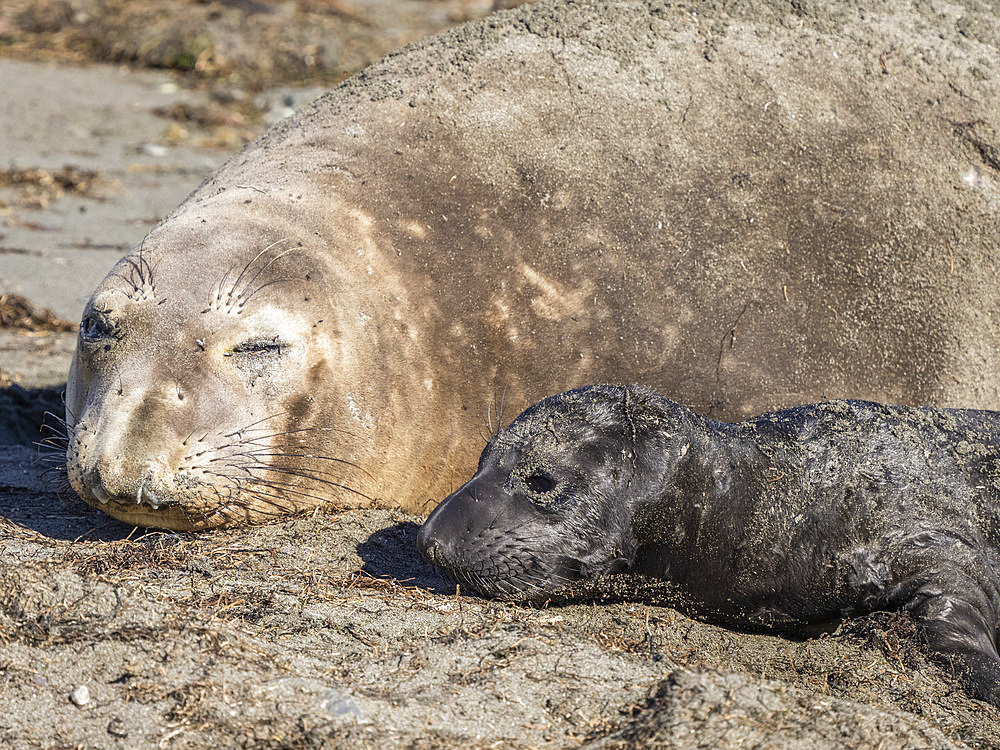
962 638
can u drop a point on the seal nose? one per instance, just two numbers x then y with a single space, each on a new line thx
124 483
430 549
445 527
429 543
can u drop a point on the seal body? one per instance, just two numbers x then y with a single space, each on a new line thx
786 521
567 194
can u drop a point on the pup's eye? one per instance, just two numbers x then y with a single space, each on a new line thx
94 327
539 483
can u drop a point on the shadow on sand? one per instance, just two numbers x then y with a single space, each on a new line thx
32 494
392 553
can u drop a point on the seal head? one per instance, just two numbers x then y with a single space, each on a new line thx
191 399
544 508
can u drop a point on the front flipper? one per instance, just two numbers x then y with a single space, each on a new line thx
961 638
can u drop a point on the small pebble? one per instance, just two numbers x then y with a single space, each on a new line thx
153 149
340 706
80 696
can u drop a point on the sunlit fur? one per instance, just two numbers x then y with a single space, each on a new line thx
123 446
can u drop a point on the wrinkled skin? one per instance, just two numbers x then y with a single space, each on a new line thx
568 194
192 421
788 521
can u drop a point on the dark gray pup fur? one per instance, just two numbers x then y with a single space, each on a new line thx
784 522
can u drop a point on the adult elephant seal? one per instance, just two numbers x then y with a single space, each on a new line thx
786 521
743 210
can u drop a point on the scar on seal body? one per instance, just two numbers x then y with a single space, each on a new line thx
782 522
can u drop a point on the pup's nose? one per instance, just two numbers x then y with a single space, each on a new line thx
446 526
431 548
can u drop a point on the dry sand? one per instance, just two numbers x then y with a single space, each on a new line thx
328 630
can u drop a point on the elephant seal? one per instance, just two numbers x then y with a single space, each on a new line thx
564 194
786 521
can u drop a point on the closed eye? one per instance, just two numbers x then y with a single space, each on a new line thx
261 346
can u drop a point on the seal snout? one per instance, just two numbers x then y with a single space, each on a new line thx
431 550
439 533
118 484
429 547
489 538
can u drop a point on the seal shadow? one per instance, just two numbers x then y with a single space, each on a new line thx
29 499
64 519
392 553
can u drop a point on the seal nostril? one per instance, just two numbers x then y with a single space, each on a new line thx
93 482
433 553
147 496
430 549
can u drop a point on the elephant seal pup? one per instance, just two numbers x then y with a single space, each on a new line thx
785 521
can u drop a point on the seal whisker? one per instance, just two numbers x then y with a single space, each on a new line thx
73 415
250 427
518 585
231 453
55 472
126 279
255 455
276 500
281 509
284 487
492 407
145 270
487 423
305 475
245 297
57 434
55 441
317 480
257 257
501 512
245 487
315 458
52 455
217 290
237 482
499 409
534 583
137 269
311 429
48 417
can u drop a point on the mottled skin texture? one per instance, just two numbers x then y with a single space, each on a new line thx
738 207
786 521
